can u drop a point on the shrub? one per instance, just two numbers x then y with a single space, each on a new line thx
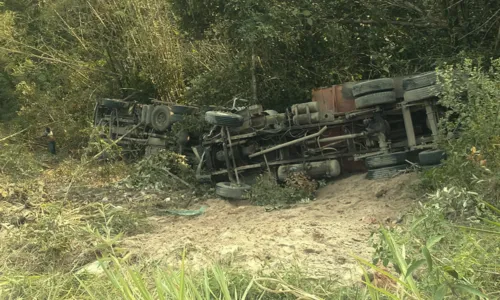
450 247
267 191
470 95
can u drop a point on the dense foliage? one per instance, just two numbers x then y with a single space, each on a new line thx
57 57
451 242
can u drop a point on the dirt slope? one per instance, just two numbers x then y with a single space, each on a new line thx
318 236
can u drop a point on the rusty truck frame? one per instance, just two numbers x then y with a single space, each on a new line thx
368 126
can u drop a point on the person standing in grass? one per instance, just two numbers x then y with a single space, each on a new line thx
51 140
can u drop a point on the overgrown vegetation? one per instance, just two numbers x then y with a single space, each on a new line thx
58 57
163 170
267 191
450 244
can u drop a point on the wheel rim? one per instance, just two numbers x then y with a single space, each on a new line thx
162 118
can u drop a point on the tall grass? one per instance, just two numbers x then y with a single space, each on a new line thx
216 282
449 248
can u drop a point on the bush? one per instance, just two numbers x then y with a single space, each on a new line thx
450 247
267 191
471 95
163 170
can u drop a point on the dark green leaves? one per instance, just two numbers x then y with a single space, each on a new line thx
440 292
468 289
414 266
428 258
434 240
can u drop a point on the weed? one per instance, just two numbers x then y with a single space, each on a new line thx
267 191
215 282
157 170
450 245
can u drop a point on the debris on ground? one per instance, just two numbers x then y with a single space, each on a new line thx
187 213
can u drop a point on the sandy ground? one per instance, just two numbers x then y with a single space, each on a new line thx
317 236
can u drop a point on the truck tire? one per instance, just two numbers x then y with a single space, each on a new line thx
398 87
373 86
114 103
375 99
347 90
386 172
160 118
223 119
183 109
422 93
231 190
386 160
419 81
431 157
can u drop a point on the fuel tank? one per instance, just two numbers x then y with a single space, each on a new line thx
319 169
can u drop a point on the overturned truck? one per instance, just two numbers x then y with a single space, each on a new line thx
378 126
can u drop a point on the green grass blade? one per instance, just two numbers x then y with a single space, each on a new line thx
373 294
433 241
367 263
428 257
469 289
490 222
477 229
220 277
192 290
401 262
181 285
140 285
206 285
247 290
85 287
160 288
417 222
490 206
382 291
414 266
440 292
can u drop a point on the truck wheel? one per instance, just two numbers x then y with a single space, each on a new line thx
347 90
375 99
373 86
386 172
431 157
114 103
232 191
223 119
160 118
422 93
419 81
183 109
386 160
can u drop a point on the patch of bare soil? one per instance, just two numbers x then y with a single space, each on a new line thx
317 236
